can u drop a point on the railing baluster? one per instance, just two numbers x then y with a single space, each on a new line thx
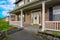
53 25
57 25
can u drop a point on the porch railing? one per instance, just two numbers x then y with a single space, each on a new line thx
52 25
15 23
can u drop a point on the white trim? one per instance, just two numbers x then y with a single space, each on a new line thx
10 19
21 18
56 10
51 29
56 27
15 23
37 10
16 17
52 21
32 17
43 16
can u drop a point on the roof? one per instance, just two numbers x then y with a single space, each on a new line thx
17 1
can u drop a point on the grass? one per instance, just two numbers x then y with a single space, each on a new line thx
4 26
56 33
7 38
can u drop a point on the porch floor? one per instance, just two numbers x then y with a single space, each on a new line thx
32 28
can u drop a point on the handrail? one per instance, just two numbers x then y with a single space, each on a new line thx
55 25
52 21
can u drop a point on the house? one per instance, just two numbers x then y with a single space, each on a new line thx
6 18
45 13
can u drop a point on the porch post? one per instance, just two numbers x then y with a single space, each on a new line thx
21 18
43 16
16 17
10 19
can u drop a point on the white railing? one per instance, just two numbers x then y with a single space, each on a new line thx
52 25
15 23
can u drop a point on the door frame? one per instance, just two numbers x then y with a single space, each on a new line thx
32 17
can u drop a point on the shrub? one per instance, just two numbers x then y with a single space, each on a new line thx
4 26
56 34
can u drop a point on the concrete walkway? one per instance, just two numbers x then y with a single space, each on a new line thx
24 35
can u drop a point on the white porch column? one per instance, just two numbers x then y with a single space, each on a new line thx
16 17
21 18
43 16
10 19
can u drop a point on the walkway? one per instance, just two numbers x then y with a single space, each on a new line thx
24 35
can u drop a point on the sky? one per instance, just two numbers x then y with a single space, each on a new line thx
5 7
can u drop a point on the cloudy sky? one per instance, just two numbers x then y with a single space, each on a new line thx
5 7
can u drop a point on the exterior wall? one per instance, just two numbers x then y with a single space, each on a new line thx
7 18
27 18
47 15
13 17
14 20
23 2
32 0
20 4
52 25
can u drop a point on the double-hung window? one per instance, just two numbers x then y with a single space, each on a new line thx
56 13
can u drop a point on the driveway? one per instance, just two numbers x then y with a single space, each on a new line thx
24 35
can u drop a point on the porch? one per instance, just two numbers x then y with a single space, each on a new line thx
52 25
14 20
15 23
44 12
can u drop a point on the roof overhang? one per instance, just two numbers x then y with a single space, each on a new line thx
32 4
17 1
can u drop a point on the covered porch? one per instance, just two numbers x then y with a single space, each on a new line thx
14 19
53 23
44 21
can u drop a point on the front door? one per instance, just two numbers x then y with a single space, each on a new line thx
35 18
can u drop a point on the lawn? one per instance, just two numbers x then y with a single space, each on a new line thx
4 26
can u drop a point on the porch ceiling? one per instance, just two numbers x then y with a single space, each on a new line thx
16 12
52 3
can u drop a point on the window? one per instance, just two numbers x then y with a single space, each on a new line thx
13 18
18 18
56 13
51 14
26 1
56 17
21 3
